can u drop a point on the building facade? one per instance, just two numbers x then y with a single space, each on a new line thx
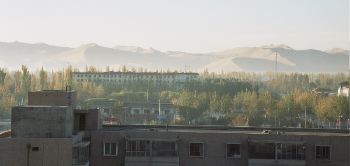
61 135
49 132
207 146
148 113
129 77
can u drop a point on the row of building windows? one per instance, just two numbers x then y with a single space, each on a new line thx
125 76
280 151
150 111
134 76
125 80
120 81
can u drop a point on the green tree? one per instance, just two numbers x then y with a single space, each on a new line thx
43 79
2 75
69 76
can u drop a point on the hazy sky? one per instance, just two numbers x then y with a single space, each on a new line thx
185 25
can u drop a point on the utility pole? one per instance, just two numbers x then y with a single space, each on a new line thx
291 117
276 118
159 117
305 118
147 90
147 96
276 62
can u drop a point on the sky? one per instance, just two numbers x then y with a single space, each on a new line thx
181 25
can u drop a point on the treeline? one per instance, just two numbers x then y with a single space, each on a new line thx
258 108
14 85
235 98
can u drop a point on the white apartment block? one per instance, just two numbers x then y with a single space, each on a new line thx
127 77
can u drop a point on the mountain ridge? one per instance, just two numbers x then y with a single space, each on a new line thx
250 59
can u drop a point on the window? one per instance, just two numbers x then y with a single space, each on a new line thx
80 154
323 152
164 148
110 149
135 111
196 149
261 150
290 151
233 150
35 148
278 151
146 111
138 148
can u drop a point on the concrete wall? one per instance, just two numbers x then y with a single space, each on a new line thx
93 119
50 152
96 145
215 147
42 121
340 150
151 161
52 98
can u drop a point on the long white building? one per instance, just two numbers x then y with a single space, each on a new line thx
128 77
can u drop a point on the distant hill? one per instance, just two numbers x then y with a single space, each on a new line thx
253 59
258 59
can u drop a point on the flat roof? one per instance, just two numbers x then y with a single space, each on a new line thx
40 106
118 72
49 90
227 129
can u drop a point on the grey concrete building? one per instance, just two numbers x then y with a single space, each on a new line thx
49 132
201 146
35 151
44 135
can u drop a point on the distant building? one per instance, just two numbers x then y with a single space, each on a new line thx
148 113
343 89
129 77
322 92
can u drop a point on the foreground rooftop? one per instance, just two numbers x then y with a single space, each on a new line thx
227 129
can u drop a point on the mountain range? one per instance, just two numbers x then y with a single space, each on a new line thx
249 59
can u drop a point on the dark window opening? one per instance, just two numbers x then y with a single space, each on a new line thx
323 152
82 122
196 149
35 148
147 111
233 150
262 150
164 148
278 151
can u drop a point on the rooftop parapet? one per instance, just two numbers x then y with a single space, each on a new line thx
52 98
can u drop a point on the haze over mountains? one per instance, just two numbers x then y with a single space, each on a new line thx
250 59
